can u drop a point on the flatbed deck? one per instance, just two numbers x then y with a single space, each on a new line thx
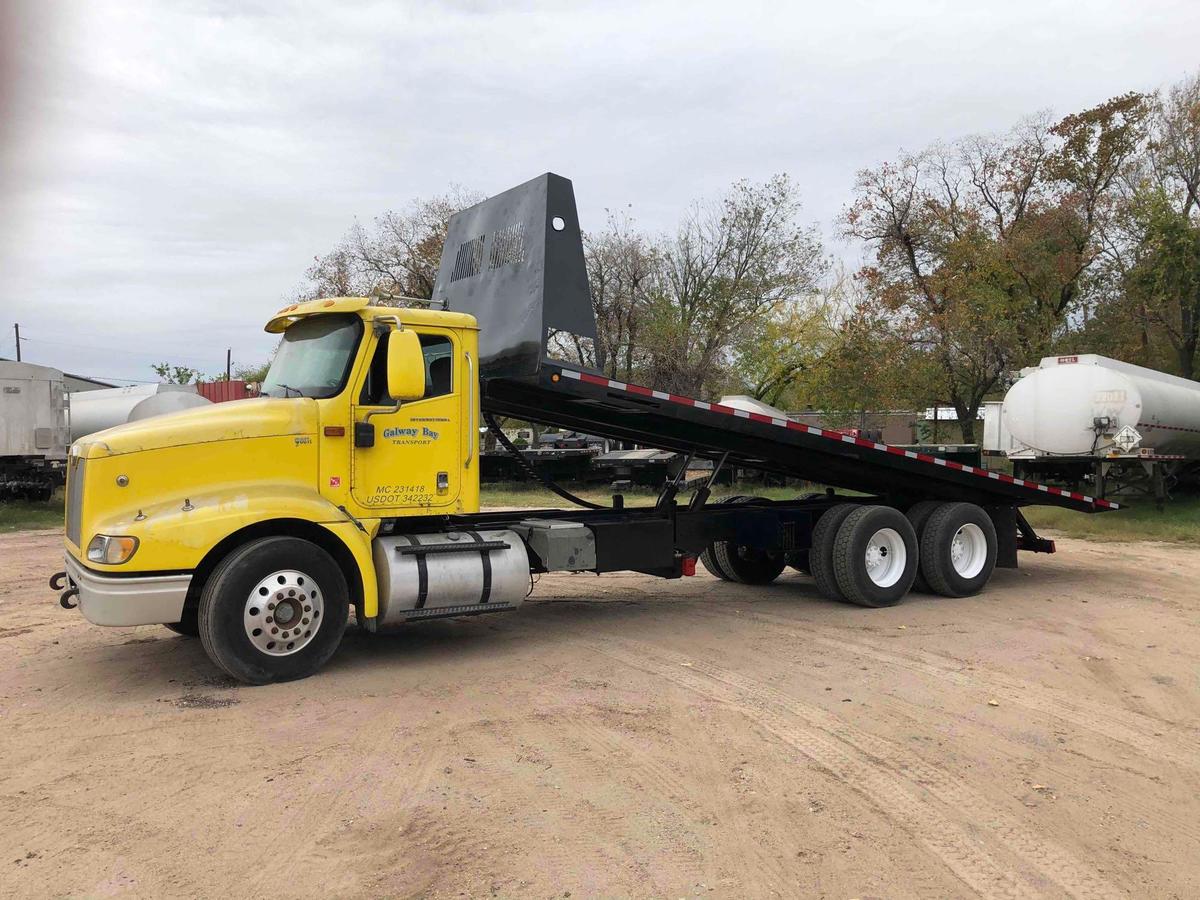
570 397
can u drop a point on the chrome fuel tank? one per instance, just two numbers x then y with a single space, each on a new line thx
449 573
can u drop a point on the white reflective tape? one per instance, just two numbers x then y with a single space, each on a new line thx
618 385
938 461
910 454
993 475
659 395
1042 487
847 439
741 414
782 423
569 374
1087 499
1019 482
700 404
968 469
882 447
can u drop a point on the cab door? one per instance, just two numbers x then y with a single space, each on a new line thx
414 465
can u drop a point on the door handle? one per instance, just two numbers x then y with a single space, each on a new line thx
472 431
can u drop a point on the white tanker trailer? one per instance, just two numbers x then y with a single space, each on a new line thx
93 411
1084 417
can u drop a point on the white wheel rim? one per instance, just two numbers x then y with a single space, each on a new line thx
968 550
283 613
886 557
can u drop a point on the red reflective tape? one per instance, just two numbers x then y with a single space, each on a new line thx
717 407
924 457
899 451
594 379
863 442
686 401
638 389
953 465
759 417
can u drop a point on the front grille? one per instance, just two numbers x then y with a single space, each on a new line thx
74 498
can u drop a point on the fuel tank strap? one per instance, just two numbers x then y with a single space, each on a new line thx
431 549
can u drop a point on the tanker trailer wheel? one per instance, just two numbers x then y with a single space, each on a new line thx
820 554
958 549
273 610
875 556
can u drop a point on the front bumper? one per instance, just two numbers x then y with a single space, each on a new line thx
132 600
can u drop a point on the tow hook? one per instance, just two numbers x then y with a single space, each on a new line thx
65 600
58 581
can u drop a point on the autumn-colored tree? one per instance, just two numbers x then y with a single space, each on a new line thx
983 249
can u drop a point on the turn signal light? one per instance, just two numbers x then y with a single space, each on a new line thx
112 550
335 431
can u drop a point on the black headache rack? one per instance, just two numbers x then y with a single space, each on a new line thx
516 263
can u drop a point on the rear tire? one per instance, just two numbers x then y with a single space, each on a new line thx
243 605
717 557
875 556
820 555
919 514
746 565
958 549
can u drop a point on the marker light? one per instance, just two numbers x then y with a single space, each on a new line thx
111 550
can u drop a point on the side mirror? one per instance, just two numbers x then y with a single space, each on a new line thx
405 367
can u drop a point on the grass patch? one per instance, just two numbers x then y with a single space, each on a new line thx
26 515
1179 521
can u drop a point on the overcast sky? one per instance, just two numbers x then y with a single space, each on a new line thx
168 170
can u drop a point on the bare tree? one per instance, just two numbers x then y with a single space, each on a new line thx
398 256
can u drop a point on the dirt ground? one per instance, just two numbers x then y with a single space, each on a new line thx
625 736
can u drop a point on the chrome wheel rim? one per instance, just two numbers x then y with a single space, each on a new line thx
283 613
968 550
886 557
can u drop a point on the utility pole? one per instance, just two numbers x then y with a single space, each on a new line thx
228 361
17 332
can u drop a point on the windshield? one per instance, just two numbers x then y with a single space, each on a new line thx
313 358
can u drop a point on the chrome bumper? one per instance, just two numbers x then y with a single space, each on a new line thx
135 600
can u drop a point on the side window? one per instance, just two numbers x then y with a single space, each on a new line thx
439 361
438 353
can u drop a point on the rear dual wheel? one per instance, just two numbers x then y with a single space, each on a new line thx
958 549
743 564
864 554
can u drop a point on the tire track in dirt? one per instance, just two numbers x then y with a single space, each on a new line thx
894 780
1131 728
756 871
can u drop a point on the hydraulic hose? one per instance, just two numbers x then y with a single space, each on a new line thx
528 468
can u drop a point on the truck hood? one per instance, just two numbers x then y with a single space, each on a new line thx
236 420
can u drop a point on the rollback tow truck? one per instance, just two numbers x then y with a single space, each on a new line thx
353 482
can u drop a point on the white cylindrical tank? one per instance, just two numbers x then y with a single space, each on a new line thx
1055 408
93 411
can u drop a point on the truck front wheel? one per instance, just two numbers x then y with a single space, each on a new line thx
273 610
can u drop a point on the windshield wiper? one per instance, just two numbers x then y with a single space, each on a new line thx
288 387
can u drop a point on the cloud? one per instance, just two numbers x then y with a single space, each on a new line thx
173 168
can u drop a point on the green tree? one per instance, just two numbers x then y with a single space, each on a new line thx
176 374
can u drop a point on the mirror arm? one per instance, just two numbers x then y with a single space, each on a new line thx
387 410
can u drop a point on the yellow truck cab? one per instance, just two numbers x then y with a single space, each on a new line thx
367 413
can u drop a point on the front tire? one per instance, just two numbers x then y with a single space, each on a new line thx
275 609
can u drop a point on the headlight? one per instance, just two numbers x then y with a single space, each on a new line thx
111 550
